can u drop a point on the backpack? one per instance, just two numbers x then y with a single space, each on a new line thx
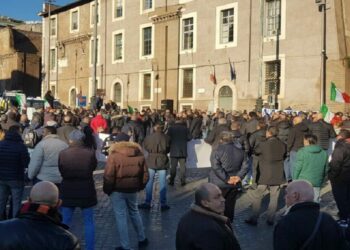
30 138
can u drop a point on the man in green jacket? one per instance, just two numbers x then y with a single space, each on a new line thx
312 164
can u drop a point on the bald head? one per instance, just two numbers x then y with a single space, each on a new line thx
297 120
45 193
299 191
210 197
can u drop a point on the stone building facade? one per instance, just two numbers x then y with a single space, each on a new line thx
187 50
20 59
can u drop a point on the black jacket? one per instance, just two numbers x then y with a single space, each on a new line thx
296 137
339 167
283 130
200 229
324 131
14 158
76 165
196 127
179 136
249 127
256 138
214 136
228 161
158 146
34 231
271 153
295 228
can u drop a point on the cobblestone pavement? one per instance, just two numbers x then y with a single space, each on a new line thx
161 226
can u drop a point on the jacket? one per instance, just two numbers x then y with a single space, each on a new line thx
339 167
76 165
324 131
64 131
249 127
205 230
44 159
228 161
158 146
296 137
33 230
283 130
135 130
271 153
196 127
14 158
179 136
256 138
295 228
311 165
214 136
126 169
98 123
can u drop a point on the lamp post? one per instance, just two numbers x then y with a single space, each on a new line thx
322 7
49 2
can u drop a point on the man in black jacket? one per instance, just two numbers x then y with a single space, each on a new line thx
294 229
323 130
204 226
339 174
14 159
38 225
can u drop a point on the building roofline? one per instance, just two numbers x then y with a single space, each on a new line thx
64 8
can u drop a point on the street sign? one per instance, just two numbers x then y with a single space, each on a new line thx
82 101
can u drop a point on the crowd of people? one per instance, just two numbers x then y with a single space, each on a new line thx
56 151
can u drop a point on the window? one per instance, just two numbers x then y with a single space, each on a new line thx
74 20
92 51
272 74
118 9
147 41
53 26
187 84
146 86
92 13
118 43
226 25
117 92
53 59
186 107
147 4
187 25
272 17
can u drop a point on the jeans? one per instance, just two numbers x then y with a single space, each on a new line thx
89 225
15 189
292 161
162 186
123 204
287 170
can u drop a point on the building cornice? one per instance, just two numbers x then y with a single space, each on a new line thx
71 40
166 17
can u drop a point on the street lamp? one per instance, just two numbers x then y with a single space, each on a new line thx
322 8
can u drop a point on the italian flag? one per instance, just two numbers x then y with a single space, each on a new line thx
338 96
327 114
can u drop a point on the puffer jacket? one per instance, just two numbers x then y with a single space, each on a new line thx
126 169
228 161
98 123
296 137
44 160
311 165
339 167
324 131
14 158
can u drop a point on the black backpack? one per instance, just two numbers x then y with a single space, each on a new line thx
30 138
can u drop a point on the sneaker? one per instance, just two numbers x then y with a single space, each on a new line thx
143 243
144 206
164 207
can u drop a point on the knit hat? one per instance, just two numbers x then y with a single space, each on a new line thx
76 135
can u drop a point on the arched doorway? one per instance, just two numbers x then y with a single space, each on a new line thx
117 93
72 97
225 98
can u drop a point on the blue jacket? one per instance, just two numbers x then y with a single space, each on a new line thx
14 158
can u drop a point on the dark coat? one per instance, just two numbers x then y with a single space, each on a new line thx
14 158
283 130
113 138
158 146
324 131
196 127
214 136
228 161
272 153
126 169
256 138
179 136
241 140
33 231
249 127
76 165
201 229
339 167
205 230
296 137
64 131
295 228
136 130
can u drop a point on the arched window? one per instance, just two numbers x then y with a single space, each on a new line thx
72 97
117 92
225 98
